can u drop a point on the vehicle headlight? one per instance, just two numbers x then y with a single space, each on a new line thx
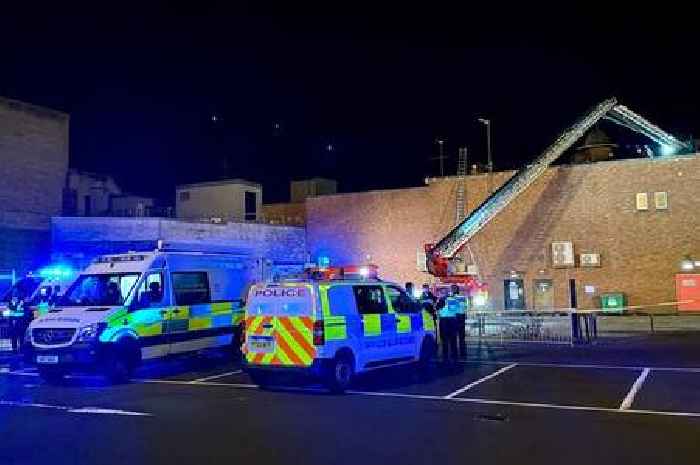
90 332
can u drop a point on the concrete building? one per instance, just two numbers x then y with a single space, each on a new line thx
314 187
294 212
271 248
579 230
219 201
88 194
33 165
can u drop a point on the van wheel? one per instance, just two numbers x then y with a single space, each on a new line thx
121 362
51 375
340 374
117 369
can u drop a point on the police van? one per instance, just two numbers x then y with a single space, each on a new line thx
127 308
333 328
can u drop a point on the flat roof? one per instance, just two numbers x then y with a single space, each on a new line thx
34 109
223 182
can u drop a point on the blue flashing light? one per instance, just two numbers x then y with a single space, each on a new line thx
56 272
667 149
324 262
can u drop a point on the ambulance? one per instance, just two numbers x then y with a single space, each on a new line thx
333 327
128 308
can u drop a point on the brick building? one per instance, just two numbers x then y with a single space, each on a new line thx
33 165
640 217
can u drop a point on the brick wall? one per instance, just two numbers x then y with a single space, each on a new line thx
591 205
34 160
285 213
81 239
34 154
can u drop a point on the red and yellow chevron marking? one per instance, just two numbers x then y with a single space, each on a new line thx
293 340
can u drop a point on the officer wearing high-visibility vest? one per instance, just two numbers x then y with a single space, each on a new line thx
459 304
428 301
448 329
20 317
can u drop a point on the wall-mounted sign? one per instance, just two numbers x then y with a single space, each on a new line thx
563 254
589 289
589 259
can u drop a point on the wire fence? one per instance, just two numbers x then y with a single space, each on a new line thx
550 327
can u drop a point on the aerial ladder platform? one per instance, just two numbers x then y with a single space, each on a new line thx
438 256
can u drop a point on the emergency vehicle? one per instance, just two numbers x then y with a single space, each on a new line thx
333 326
127 308
37 290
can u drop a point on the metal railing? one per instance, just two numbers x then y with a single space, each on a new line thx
561 327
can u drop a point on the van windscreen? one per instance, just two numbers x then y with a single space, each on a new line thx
280 301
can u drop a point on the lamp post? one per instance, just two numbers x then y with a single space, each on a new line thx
487 123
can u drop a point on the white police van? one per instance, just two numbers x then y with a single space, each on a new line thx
127 308
333 328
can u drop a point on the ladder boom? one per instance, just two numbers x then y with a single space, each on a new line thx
496 202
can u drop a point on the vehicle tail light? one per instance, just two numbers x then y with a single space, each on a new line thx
319 333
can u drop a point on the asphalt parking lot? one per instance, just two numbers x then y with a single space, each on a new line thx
534 404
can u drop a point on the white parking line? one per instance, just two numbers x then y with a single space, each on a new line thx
208 378
479 381
582 408
578 365
629 398
65 408
190 383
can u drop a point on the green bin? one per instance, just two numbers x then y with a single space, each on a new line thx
613 301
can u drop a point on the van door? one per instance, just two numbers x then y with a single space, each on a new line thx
408 319
378 325
190 319
150 316
279 325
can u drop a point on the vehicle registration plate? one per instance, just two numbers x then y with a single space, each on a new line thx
261 344
47 359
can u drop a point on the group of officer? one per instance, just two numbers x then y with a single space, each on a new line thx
21 312
449 312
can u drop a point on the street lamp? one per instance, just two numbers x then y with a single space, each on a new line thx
487 123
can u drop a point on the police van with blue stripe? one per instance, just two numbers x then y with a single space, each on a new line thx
333 326
124 309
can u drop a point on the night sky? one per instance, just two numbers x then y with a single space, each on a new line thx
162 96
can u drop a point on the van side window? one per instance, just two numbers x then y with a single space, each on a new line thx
370 299
151 291
400 301
191 287
341 300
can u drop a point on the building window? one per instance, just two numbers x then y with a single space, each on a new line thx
184 196
251 206
642 201
661 200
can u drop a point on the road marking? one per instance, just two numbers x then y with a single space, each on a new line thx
479 381
208 378
65 408
629 398
574 365
190 383
582 408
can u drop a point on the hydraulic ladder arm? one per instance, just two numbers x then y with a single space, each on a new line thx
496 202
437 256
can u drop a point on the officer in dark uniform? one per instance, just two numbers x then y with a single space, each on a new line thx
20 317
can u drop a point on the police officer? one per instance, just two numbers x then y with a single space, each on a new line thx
20 317
459 303
448 329
428 301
